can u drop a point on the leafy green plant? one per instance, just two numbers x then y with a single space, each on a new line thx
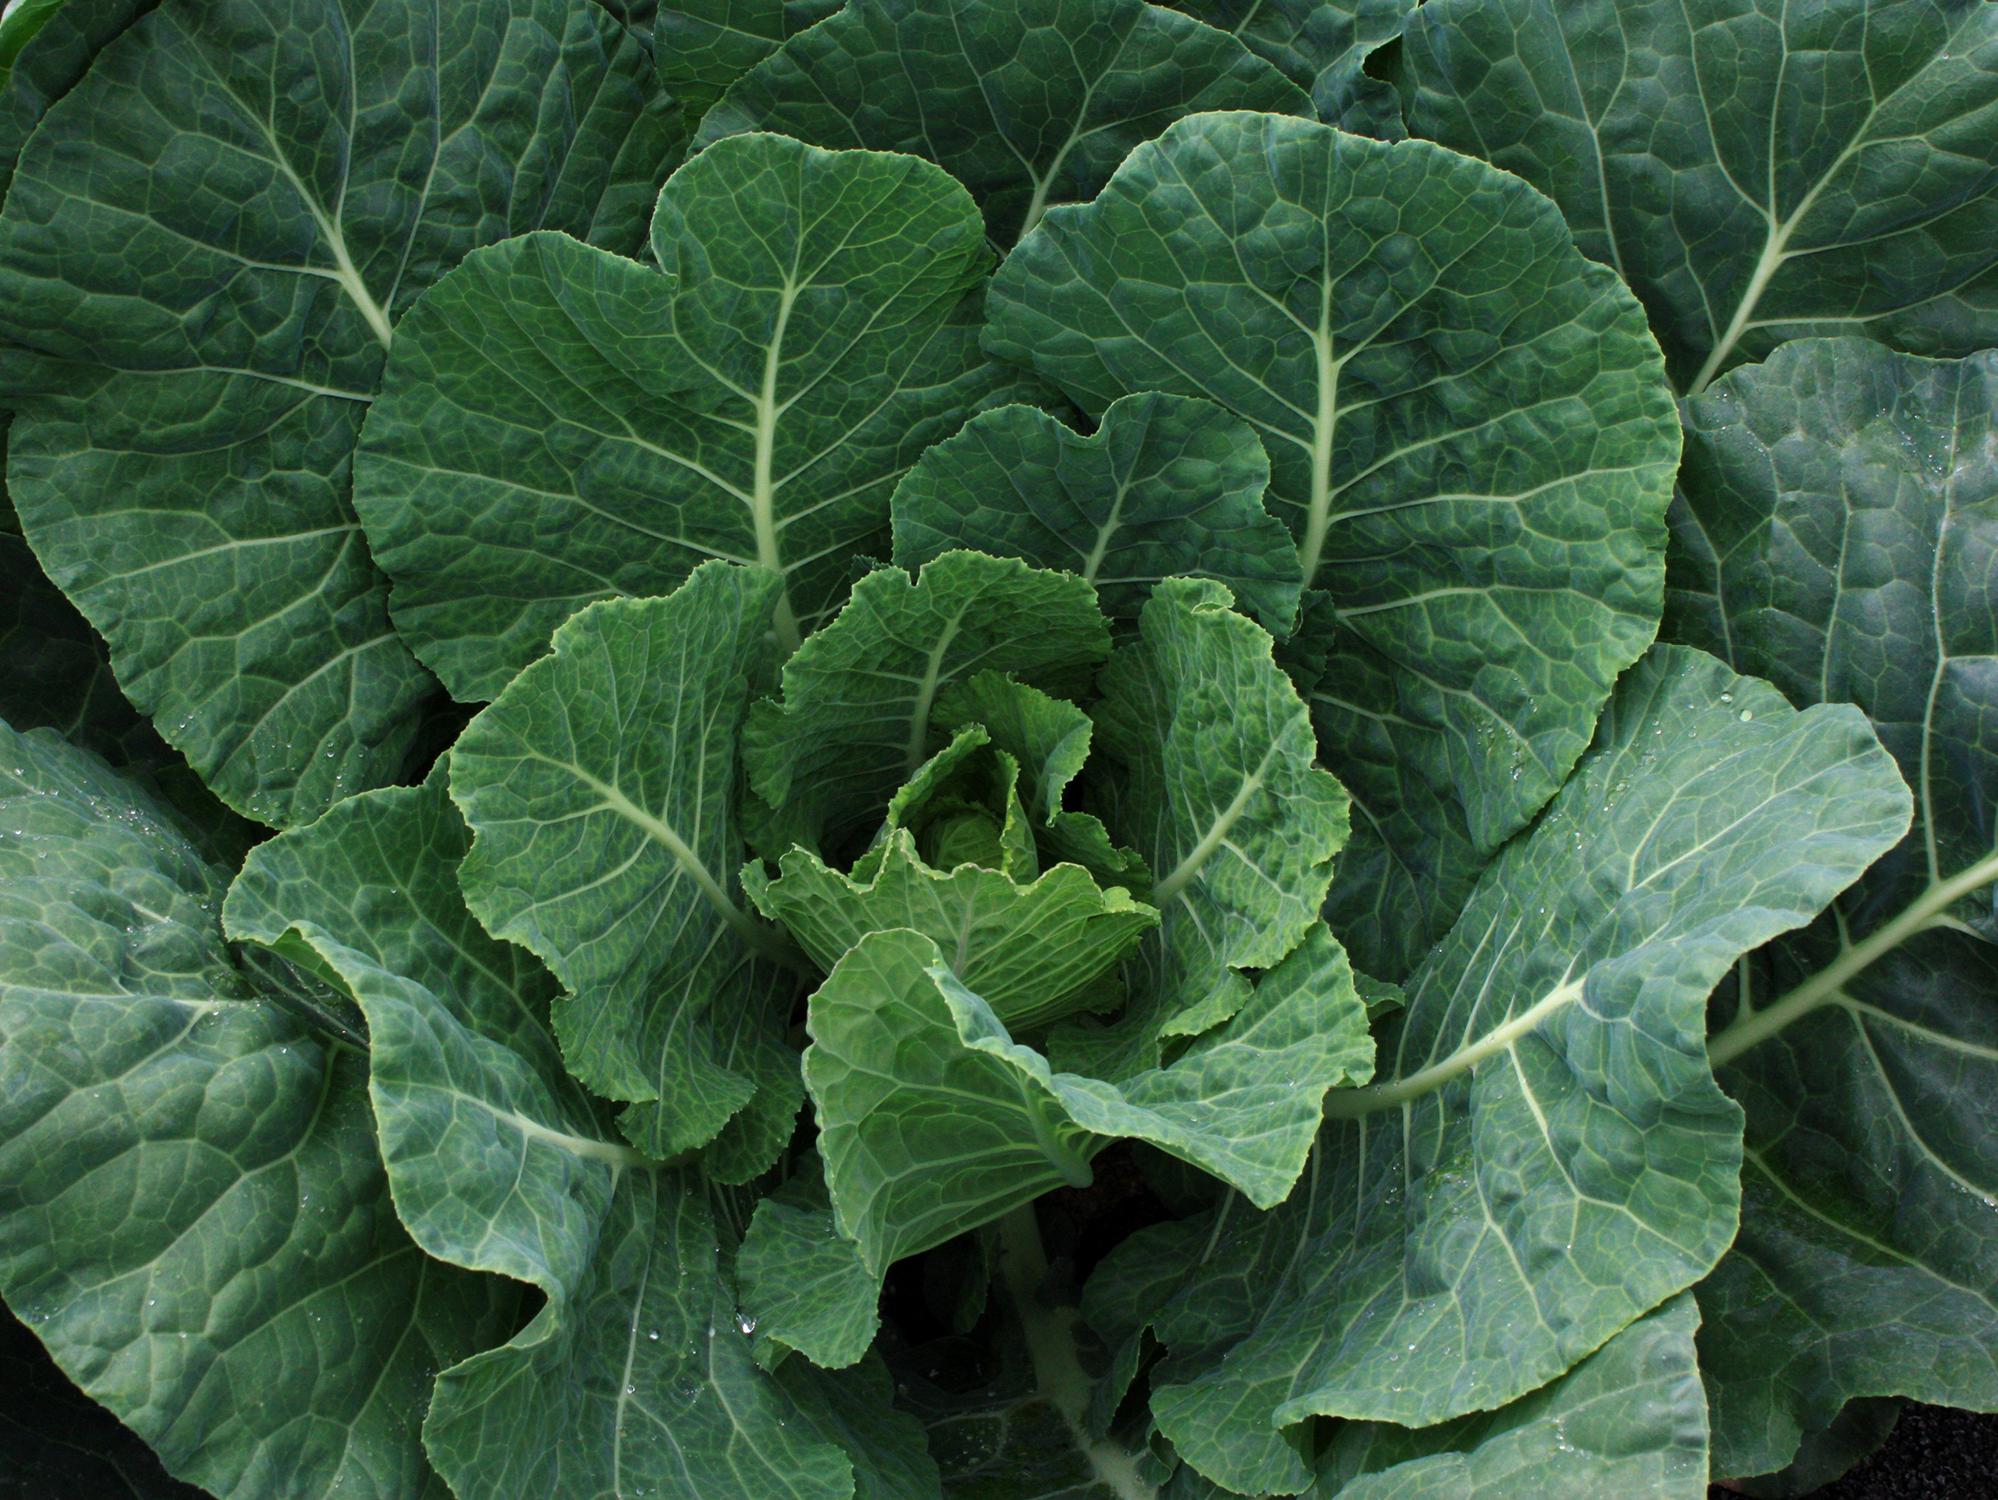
920 748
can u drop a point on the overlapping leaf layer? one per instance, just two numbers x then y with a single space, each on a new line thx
1050 855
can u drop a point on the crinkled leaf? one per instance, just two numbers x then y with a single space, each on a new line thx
1836 528
600 788
858 700
559 423
804 1283
634 1378
1548 1157
1029 949
210 237
914 1077
1165 487
194 1209
1321 45
1469 435
1755 172
933 1120
962 805
1628 1420
1026 102
1050 739
705 45
1218 792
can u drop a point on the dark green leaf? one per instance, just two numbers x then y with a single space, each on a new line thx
561 424
1836 530
1026 102
209 239
1165 487
193 1207
1469 435
1755 172
1548 1158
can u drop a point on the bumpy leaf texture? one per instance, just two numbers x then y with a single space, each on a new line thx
934 1121
195 1220
1628 1420
1547 1157
207 243
1757 172
855 716
43 55
705 45
601 788
55 1441
1837 529
1165 487
1026 102
1469 436
1034 944
1217 789
560 424
1323 47
634 1378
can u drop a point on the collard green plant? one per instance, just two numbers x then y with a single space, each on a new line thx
1064 866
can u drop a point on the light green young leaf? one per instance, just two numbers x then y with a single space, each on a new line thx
1321 45
933 1120
1549 1157
1026 102
1050 738
962 806
634 1376
1755 172
859 698
1028 948
1165 487
561 424
209 240
194 1205
705 45
1628 1420
1218 792
1469 434
915 1078
1836 528
600 787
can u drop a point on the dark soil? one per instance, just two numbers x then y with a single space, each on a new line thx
1934 1454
